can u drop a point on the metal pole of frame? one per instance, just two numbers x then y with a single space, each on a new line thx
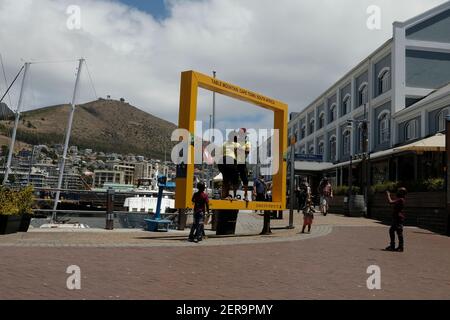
292 185
447 148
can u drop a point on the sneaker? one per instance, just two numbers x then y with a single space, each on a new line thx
390 248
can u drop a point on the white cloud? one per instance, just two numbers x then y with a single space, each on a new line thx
290 50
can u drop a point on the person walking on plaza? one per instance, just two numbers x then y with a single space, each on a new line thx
201 207
398 219
308 211
301 195
260 189
326 194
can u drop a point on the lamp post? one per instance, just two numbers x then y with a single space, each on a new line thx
365 155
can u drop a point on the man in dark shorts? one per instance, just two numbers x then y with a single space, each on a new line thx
201 207
398 219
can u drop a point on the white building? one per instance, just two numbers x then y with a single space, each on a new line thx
402 89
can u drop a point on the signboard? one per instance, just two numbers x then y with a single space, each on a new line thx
309 157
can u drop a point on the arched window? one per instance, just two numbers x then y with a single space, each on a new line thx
384 128
411 130
311 149
333 148
384 81
312 126
321 148
363 94
346 142
303 132
346 105
441 120
333 113
303 150
321 120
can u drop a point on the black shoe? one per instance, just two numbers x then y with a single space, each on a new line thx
390 248
400 249
191 240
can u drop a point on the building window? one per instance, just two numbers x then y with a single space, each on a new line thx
441 120
303 132
311 150
384 128
384 81
312 126
333 148
333 113
346 105
411 130
321 120
346 143
303 151
363 95
321 149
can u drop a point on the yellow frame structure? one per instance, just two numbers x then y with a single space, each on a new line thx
190 82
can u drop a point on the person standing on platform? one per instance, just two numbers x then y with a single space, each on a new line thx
243 152
228 167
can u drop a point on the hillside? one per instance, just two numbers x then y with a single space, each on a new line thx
102 125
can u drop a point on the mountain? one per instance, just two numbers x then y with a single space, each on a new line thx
102 125
5 111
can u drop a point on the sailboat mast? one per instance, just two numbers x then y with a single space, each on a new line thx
67 141
16 125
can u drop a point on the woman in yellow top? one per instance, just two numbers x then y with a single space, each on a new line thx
228 167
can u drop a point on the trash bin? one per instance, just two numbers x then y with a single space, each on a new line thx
226 222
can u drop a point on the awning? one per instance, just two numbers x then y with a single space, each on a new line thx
435 143
312 166
432 144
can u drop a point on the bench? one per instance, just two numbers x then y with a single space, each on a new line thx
153 225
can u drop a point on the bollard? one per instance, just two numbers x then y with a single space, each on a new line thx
110 209
182 220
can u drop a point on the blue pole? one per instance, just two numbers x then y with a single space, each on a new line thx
161 185
158 206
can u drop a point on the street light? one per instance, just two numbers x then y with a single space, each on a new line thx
365 152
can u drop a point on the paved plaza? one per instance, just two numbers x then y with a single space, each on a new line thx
330 263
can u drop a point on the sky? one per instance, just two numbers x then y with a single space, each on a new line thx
290 50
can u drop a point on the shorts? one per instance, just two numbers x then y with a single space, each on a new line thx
308 220
324 200
229 172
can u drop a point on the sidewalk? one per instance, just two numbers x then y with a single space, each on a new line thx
248 229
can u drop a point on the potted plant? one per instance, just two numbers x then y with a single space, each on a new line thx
25 204
15 210
9 212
